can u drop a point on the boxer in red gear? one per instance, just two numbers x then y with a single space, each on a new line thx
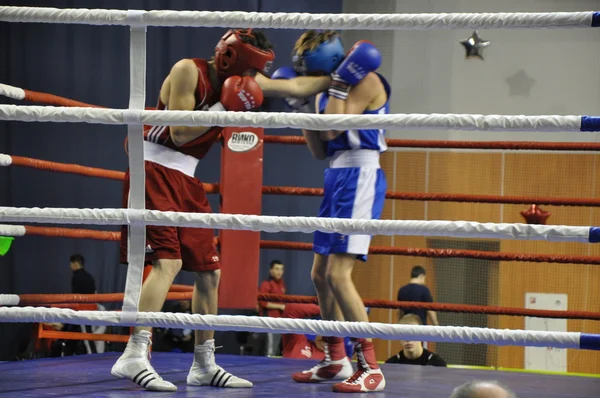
171 156
231 81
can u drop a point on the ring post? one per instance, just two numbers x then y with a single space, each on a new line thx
241 193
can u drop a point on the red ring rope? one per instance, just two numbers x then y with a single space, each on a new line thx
75 233
301 191
444 197
472 309
67 168
181 288
50 99
385 250
448 253
509 145
48 299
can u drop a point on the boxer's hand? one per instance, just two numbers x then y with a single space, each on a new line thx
286 72
241 94
295 104
362 59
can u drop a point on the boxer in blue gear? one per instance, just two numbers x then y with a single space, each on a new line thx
354 187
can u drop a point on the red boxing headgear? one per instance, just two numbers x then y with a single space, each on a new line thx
233 57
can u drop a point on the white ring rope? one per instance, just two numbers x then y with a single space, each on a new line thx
9 299
12 230
5 160
469 335
551 123
241 19
12 92
465 229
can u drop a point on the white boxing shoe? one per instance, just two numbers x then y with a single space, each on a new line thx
205 372
215 377
135 366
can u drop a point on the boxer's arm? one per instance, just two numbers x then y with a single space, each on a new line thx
301 86
315 144
359 99
265 289
182 97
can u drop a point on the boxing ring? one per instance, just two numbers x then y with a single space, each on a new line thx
89 375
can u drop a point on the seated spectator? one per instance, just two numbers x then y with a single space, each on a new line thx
412 352
301 346
274 284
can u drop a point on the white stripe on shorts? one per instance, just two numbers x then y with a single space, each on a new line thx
363 208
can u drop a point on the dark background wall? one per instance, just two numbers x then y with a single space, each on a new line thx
91 64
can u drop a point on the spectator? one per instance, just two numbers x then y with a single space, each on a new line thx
482 389
302 346
273 285
412 352
81 282
416 290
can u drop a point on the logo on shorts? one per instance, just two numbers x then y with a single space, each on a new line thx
215 259
149 249
242 142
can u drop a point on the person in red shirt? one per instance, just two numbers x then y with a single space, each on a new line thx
303 346
231 80
273 285
270 343
300 345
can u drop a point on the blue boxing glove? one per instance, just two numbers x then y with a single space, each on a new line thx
295 104
287 72
362 59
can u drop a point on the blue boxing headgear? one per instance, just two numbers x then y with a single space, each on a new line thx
324 59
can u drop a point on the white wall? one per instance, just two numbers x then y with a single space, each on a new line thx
429 73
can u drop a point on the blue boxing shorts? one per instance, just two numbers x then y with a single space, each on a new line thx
350 192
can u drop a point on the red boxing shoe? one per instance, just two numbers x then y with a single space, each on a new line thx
368 377
335 366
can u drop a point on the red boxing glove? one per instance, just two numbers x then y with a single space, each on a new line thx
241 94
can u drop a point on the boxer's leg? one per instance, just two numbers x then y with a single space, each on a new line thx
361 198
200 257
134 364
336 364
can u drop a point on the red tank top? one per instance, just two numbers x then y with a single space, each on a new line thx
205 97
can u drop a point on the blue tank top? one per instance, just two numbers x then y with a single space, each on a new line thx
361 138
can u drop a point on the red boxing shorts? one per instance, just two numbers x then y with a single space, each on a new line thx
171 190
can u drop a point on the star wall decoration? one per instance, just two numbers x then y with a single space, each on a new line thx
535 215
474 46
520 84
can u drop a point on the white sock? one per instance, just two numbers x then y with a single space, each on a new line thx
138 344
204 356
